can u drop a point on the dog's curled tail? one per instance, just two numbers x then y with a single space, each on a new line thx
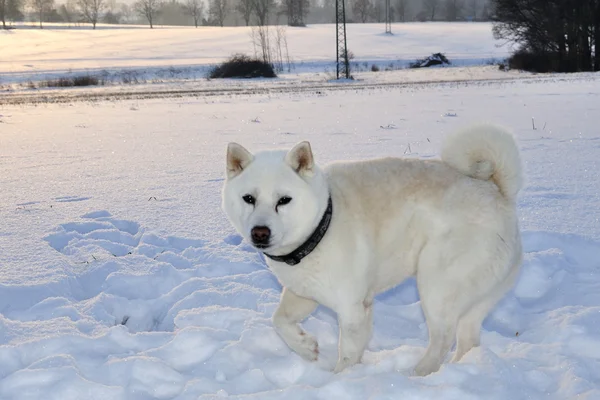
486 152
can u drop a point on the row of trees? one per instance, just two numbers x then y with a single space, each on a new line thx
170 12
256 12
88 11
561 34
235 12
425 10
95 11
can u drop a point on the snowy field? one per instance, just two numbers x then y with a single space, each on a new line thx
120 277
167 54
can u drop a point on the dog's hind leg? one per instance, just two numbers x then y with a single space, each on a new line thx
441 323
469 327
448 283
439 297
458 273
293 309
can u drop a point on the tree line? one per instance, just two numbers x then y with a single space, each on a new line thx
238 12
421 10
73 11
554 35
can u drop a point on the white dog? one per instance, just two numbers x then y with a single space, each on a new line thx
340 235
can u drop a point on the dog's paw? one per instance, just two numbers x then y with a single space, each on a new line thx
425 367
306 346
344 363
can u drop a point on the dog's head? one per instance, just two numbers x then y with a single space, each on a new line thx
274 199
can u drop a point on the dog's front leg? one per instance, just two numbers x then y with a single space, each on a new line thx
293 309
356 324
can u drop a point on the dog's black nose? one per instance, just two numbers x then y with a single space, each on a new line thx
261 234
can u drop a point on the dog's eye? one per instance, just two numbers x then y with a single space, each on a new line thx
284 200
249 199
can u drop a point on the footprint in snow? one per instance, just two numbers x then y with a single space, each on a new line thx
99 235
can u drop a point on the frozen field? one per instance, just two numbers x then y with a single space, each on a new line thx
120 277
181 53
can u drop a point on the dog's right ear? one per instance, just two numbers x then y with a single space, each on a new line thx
238 158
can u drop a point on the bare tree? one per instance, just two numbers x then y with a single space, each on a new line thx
172 12
261 38
402 9
195 8
453 9
13 11
245 8
148 9
271 46
362 9
218 9
296 10
111 18
473 9
378 10
328 10
3 12
262 8
430 7
91 9
597 36
127 12
41 8
10 10
66 13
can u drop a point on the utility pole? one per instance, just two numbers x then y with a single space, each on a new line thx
342 63
388 17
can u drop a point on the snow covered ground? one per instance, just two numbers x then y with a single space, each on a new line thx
120 277
138 54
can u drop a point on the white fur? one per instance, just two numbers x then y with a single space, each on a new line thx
451 223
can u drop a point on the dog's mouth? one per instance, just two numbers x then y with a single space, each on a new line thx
261 246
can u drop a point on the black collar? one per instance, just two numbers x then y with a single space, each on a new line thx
311 243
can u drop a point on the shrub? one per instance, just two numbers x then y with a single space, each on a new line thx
374 68
242 66
528 60
80 80
86 80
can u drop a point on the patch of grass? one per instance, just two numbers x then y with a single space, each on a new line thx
242 66
129 77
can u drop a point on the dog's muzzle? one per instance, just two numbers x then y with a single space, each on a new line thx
261 236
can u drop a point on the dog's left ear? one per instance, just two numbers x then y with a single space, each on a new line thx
238 158
301 159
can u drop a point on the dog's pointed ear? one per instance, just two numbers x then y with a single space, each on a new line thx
301 159
238 158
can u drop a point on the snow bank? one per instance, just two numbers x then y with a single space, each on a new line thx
121 279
